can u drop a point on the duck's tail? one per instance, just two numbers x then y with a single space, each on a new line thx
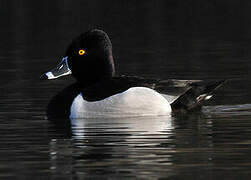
193 98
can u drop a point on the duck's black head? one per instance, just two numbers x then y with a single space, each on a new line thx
88 58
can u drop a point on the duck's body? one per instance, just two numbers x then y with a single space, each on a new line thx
99 92
127 96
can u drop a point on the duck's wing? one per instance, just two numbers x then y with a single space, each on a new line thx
195 95
172 89
183 95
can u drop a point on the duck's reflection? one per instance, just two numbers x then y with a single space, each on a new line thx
110 143
131 127
134 146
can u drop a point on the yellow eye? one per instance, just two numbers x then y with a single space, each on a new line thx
81 52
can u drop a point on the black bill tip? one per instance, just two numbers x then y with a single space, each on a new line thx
43 77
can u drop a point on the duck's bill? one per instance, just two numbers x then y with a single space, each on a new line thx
62 69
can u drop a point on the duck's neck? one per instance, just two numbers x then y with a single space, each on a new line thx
99 75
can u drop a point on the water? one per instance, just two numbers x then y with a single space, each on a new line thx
159 39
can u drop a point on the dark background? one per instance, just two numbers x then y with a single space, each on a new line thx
162 39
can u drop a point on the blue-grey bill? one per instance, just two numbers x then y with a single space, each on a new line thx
62 69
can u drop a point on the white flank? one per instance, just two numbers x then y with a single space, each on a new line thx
137 101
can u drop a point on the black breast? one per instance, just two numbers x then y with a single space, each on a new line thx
60 104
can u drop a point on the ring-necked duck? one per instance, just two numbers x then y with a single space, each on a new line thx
99 93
